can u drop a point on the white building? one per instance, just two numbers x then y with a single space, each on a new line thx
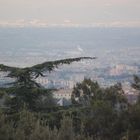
63 93
63 97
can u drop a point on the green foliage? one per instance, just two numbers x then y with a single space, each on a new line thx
98 114
103 123
136 85
89 91
28 127
108 110
2 93
134 119
85 91
36 70
25 90
31 97
51 65
100 122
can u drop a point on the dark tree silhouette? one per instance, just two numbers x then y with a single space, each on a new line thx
26 75
25 90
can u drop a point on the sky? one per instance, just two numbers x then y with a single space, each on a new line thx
71 12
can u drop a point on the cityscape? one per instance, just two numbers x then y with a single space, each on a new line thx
69 69
117 59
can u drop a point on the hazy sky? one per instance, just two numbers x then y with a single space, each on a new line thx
76 11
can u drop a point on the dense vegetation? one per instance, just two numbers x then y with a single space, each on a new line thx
96 113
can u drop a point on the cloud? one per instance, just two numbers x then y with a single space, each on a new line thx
117 24
23 23
67 23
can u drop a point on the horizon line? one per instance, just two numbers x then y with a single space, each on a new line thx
44 24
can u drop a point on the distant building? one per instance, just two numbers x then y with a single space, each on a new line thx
63 102
63 97
131 94
62 93
132 98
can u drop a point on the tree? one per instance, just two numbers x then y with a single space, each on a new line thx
25 90
25 76
105 112
134 122
28 126
85 91
115 95
136 85
99 123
